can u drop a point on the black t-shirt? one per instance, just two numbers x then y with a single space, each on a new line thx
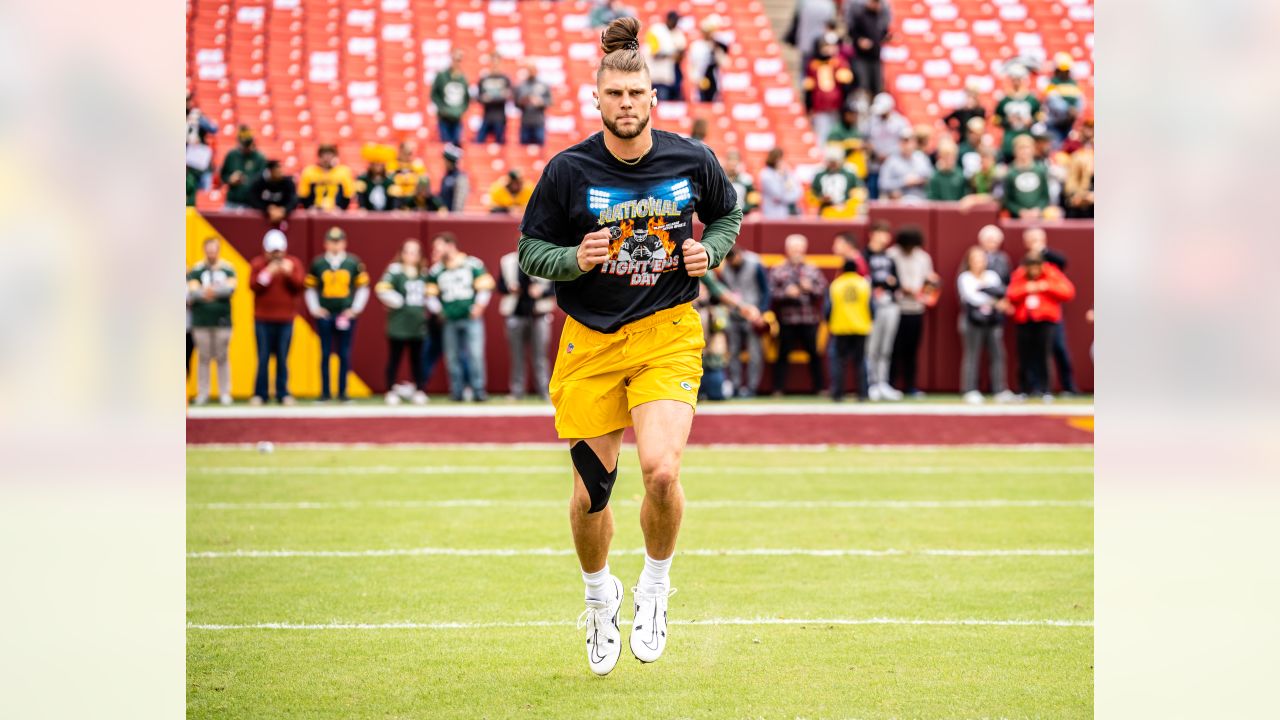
584 188
494 91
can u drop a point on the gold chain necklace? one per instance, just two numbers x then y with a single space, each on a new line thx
630 162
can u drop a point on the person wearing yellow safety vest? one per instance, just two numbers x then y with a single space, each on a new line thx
849 323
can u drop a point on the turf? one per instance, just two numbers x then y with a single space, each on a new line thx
374 499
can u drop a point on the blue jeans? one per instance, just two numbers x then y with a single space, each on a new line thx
450 131
533 134
1062 358
334 340
497 129
273 339
464 343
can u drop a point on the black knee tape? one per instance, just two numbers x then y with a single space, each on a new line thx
598 481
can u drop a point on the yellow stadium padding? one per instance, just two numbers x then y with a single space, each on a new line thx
1081 423
818 260
304 352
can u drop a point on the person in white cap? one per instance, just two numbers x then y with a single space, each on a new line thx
277 280
884 131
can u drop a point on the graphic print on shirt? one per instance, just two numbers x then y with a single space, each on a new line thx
650 226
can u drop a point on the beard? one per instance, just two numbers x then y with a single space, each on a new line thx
626 134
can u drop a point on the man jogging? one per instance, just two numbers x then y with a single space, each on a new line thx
611 221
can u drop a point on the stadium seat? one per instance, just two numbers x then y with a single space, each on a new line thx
306 72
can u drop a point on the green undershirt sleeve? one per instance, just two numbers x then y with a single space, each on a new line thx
714 286
544 259
720 235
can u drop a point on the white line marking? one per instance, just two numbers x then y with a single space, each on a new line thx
732 409
701 552
707 622
704 504
515 471
740 447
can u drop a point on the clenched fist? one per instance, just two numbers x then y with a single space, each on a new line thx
593 250
696 260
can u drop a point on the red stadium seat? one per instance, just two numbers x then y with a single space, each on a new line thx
305 72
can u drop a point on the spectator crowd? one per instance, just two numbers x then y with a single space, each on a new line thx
872 316
1031 153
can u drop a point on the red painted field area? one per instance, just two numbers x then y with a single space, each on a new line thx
707 429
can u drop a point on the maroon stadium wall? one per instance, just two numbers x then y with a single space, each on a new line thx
948 232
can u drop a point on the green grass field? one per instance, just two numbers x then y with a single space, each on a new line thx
923 632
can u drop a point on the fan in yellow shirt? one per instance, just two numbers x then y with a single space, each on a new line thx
327 185
508 192
407 173
849 321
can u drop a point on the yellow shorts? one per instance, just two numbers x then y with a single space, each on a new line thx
599 378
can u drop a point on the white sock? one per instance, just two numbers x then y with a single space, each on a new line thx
598 585
656 574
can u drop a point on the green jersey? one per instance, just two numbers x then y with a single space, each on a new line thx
336 282
375 193
833 186
745 188
984 181
459 286
1026 187
450 94
409 320
1006 145
1008 103
250 163
947 185
215 311
841 133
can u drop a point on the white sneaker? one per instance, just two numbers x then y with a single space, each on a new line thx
1004 396
404 390
255 401
225 400
973 397
420 398
874 394
1047 398
649 626
604 642
889 392
392 398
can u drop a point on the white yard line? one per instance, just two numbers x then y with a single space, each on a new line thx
515 471
710 622
513 552
737 447
753 409
696 504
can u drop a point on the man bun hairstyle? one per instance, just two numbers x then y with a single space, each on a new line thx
620 43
